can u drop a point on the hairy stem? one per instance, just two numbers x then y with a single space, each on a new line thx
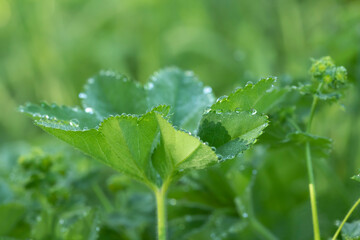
160 195
345 219
309 165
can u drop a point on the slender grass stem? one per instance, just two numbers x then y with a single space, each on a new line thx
310 169
345 219
103 199
160 195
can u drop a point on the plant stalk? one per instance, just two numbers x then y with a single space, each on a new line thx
310 169
160 195
345 219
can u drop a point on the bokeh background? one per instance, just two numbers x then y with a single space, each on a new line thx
48 48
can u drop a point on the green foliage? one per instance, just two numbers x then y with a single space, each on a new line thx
146 146
351 231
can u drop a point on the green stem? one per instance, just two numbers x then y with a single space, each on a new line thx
160 195
310 169
103 199
345 219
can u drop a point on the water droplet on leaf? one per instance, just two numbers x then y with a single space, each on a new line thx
82 95
89 110
207 90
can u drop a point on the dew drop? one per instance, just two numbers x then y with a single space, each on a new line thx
245 215
189 74
207 90
150 85
89 110
82 95
238 110
221 98
74 123
249 84
21 110
337 223
253 111
47 116
207 110
218 111
172 202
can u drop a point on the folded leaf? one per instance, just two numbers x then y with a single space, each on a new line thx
123 142
231 133
179 151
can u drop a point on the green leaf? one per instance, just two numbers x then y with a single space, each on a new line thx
75 118
127 142
320 146
351 231
260 97
356 177
183 92
110 94
14 213
85 228
231 132
179 151
123 142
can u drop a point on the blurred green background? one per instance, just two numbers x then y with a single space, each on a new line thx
49 48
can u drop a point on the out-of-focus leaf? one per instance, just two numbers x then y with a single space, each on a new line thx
86 227
10 215
320 146
351 231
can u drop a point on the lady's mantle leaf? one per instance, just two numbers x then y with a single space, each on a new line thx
183 92
75 118
231 132
261 97
110 94
179 151
127 142
351 231
320 146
